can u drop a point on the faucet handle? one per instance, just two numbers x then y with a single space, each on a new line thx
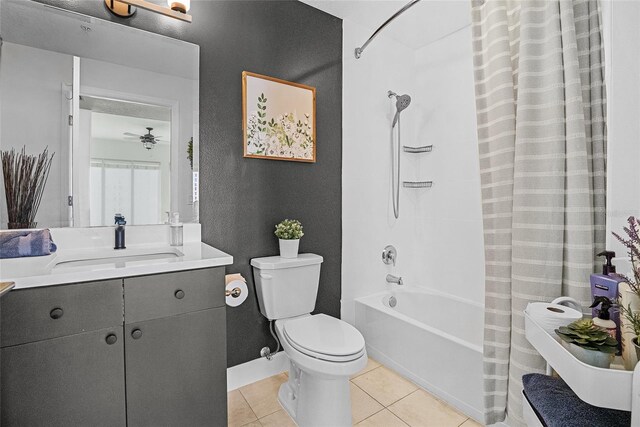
389 255
119 219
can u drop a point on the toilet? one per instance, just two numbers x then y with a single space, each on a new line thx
323 351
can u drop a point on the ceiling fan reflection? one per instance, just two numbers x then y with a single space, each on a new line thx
148 140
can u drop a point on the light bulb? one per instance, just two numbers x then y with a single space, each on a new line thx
181 6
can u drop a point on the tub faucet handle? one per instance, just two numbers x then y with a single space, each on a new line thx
389 255
394 279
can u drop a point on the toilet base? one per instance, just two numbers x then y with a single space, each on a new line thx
316 401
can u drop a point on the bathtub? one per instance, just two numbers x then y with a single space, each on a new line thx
433 339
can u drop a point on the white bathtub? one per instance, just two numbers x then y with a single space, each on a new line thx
433 339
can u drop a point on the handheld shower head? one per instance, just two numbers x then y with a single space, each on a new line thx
402 102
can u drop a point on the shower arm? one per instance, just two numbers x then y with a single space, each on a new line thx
359 50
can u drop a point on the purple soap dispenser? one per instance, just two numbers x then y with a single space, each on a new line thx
606 285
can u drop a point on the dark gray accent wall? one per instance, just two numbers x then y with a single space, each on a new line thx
242 199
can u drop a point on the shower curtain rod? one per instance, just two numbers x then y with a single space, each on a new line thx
359 50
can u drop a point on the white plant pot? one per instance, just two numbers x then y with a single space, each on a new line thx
289 248
590 357
637 347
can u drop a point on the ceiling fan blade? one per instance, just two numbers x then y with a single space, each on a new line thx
132 134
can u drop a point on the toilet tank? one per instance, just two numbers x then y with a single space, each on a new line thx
286 287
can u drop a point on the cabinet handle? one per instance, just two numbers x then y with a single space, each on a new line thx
111 339
136 333
179 294
56 313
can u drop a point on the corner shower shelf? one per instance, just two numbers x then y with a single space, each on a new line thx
415 150
609 388
417 184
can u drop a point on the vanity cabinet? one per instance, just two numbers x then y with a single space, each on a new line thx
140 351
63 344
77 380
181 385
175 339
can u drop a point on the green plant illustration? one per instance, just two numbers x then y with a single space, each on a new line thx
285 136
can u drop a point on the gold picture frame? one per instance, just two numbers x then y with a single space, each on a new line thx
283 129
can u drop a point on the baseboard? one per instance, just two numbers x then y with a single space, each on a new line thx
256 370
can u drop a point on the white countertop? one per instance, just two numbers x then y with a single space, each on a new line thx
147 248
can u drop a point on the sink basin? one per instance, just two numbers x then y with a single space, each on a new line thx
117 257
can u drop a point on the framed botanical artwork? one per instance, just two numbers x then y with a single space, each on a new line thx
278 119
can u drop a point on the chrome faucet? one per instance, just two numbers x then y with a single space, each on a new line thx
394 279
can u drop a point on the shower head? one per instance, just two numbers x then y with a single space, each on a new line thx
402 102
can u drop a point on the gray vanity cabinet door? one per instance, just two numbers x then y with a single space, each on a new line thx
77 380
176 370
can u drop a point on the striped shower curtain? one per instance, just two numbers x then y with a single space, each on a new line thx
540 101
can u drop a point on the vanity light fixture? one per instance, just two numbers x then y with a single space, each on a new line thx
182 6
126 8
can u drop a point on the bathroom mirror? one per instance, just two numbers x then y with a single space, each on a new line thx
118 106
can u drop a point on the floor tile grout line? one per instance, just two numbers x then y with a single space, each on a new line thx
436 398
271 413
365 392
377 412
359 374
406 395
249 405
277 400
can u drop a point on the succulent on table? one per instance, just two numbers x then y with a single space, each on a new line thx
585 334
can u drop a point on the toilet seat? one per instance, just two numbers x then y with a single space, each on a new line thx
324 337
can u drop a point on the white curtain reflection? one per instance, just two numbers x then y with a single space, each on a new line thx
129 188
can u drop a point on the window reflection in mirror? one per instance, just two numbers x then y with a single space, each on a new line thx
129 158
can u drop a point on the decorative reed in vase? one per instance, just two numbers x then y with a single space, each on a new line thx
25 177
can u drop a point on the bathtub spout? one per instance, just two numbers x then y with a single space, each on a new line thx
394 279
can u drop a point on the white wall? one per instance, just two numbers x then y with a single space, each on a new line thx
452 218
439 232
622 37
33 112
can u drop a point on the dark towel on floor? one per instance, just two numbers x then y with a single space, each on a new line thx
26 243
558 406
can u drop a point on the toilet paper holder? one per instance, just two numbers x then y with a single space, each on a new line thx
235 292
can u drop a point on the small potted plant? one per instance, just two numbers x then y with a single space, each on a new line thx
633 317
588 343
629 296
289 232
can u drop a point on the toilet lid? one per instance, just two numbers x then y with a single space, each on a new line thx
325 337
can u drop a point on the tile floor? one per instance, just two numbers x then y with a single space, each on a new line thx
379 398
